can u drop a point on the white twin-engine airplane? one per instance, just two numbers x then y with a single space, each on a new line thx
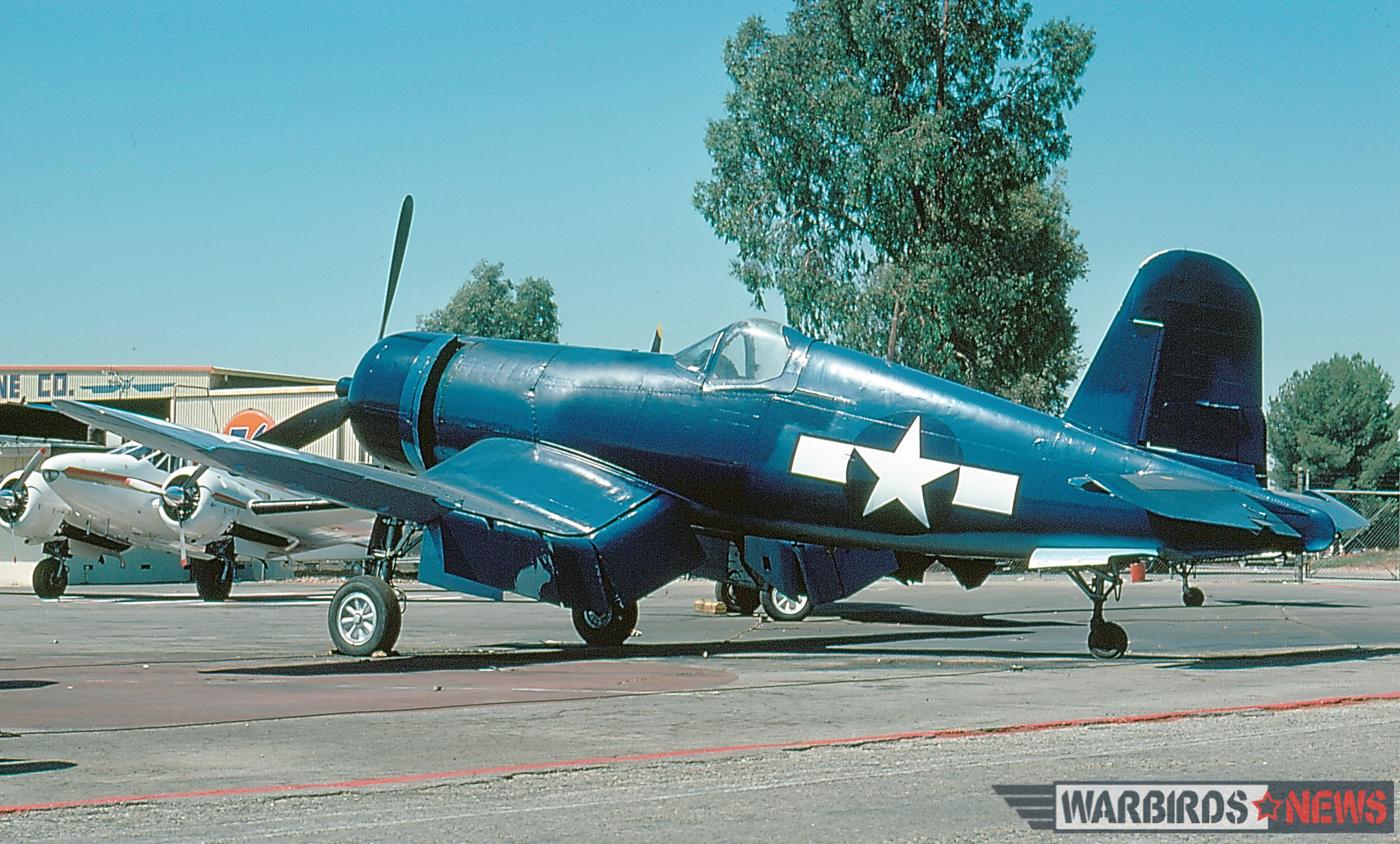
101 504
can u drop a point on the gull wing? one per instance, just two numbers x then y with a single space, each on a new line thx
501 515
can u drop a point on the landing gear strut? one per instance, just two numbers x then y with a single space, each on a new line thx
51 574
389 540
1106 639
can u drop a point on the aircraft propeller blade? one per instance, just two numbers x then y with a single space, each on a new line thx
656 340
396 263
304 428
184 557
32 465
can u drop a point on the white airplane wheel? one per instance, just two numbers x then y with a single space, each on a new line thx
782 608
608 630
364 616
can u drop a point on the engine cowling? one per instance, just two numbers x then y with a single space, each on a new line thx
201 503
31 510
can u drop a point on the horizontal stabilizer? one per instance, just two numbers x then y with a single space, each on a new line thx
1345 518
1190 499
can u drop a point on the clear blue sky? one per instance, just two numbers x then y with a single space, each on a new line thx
218 183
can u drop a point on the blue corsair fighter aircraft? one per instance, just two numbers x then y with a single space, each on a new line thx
590 478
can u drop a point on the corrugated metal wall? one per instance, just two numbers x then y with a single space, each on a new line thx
213 411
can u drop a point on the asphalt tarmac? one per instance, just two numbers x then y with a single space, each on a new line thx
139 713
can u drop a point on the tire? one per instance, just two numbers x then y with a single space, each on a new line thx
740 599
364 616
609 632
1193 597
50 578
782 608
1107 640
213 579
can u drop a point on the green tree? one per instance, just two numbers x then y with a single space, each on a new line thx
889 167
490 305
1336 424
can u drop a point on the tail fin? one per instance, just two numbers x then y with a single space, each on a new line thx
1181 366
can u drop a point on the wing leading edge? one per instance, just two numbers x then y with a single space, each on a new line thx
502 515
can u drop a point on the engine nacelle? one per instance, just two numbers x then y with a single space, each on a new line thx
205 505
32 511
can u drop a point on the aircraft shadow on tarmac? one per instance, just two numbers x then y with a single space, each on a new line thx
15 767
1290 659
16 685
1321 605
191 598
524 654
894 614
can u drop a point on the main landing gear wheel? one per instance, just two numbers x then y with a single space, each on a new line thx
213 579
606 630
365 616
50 578
1107 640
739 599
782 608
1192 597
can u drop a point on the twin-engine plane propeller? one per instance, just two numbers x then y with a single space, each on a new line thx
589 478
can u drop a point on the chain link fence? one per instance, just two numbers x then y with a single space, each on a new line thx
1373 552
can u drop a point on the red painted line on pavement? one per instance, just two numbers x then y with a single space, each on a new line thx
598 761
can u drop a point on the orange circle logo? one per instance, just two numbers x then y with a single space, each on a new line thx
248 424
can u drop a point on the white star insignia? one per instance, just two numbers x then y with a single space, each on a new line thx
902 474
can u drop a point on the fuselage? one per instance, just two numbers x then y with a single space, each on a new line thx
792 453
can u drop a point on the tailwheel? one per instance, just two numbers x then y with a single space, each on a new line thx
50 578
1107 640
608 629
1192 596
780 607
365 616
739 599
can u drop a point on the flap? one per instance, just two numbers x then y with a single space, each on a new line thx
1087 558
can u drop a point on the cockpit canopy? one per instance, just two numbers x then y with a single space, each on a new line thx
159 459
752 351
